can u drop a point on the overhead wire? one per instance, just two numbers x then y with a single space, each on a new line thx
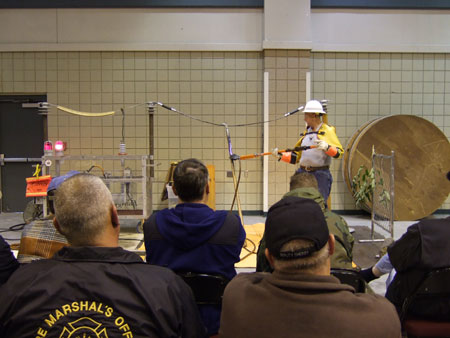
229 125
100 114
233 157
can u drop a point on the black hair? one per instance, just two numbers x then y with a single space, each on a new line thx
190 178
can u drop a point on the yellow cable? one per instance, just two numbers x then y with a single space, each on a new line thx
37 171
76 112
97 166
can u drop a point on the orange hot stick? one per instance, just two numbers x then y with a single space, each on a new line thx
247 157
250 156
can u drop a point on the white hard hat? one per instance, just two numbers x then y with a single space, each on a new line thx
314 106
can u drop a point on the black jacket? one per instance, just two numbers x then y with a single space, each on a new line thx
425 246
8 263
100 292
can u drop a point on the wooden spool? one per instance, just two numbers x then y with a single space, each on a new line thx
422 161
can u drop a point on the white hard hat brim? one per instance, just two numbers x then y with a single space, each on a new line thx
314 112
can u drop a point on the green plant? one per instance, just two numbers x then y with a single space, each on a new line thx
363 187
363 184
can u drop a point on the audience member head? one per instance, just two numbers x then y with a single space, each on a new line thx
85 213
190 180
303 180
297 237
54 184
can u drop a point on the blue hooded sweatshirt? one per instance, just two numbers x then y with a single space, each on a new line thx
184 247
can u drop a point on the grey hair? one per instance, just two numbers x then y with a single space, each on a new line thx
83 206
305 264
303 180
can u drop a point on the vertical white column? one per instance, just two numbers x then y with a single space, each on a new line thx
266 144
308 86
308 89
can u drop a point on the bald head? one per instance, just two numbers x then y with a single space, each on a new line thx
84 210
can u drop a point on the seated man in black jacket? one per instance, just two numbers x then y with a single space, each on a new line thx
425 246
93 287
8 263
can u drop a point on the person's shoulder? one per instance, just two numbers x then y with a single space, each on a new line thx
156 269
327 127
230 214
244 284
161 213
227 216
39 264
159 278
378 310
380 314
332 215
28 272
4 246
220 212
375 302
153 272
248 278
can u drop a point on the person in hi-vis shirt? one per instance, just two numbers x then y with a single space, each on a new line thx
317 145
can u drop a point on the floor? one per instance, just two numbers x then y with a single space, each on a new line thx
131 237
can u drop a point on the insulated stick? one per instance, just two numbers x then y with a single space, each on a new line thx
275 151
233 157
249 156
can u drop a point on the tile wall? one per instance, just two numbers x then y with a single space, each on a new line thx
214 87
365 86
287 91
218 87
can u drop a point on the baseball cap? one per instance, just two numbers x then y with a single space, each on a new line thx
295 218
56 181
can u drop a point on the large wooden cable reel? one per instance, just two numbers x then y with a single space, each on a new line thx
422 161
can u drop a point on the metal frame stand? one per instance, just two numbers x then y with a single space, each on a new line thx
144 179
374 221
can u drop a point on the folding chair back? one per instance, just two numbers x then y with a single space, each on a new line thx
350 277
207 289
432 295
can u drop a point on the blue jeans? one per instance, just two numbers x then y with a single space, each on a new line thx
324 179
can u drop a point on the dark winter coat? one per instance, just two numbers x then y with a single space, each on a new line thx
97 292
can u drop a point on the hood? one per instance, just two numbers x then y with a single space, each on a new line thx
189 225
311 193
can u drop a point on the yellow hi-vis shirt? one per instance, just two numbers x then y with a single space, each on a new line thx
326 133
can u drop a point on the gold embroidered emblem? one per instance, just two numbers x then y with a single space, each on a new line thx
84 327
